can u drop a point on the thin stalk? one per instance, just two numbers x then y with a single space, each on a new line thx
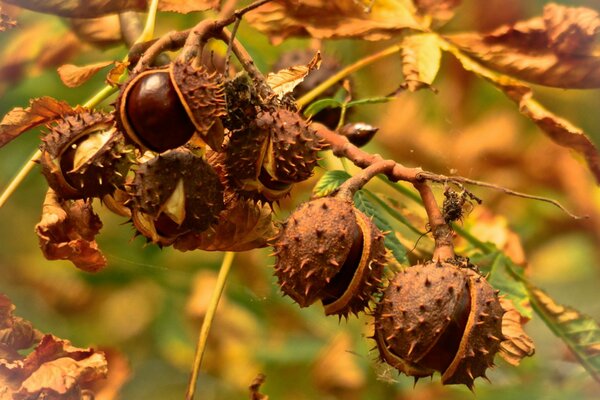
19 178
148 31
310 96
207 322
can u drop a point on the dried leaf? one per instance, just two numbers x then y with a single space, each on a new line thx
97 8
336 370
578 331
102 32
558 129
6 22
516 344
285 80
73 76
243 225
255 388
67 230
41 111
15 333
119 372
187 6
421 55
116 72
325 19
553 50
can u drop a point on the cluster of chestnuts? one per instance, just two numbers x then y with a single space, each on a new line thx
184 144
433 317
179 143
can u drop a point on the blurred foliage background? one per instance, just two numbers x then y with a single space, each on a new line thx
146 306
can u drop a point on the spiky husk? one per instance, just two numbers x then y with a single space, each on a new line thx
84 156
293 151
243 103
186 176
327 250
203 97
275 150
439 317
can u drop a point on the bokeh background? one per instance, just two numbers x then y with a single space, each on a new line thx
145 307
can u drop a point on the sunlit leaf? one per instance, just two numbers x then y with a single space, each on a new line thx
557 129
553 50
285 80
421 55
439 9
580 332
329 182
41 111
101 32
391 241
73 76
187 6
334 19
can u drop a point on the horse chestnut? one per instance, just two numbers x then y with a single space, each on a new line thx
439 317
161 109
330 251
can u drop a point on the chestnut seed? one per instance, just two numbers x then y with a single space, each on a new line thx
154 113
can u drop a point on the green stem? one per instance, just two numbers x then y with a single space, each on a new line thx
19 178
310 96
207 322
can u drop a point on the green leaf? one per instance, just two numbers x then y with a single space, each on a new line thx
370 100
330 181
580 332
503 275
391 241
319 105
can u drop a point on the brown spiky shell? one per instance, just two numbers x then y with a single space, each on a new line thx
439 317
202 95
277 149
83 155
328 250
176 191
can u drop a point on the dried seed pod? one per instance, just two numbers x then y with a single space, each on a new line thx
174 193
160 109
328 250
84 156
439 317
276 150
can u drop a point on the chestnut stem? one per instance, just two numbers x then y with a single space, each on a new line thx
342 147
442 232
354 184
207 322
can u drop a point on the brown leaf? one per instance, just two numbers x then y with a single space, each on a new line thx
326 19
97 8
554 50
6 22
119 372
115 73
439 9
73 76
285 80
80 8
15 333
41 111
558 129
102 31
516 344
243 225
187 6
67 231
254 387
